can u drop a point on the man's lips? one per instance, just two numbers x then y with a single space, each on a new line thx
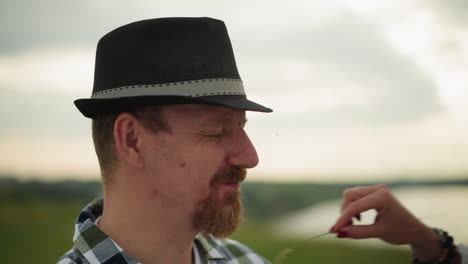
232 176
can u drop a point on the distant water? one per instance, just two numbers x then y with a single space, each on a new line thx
444 207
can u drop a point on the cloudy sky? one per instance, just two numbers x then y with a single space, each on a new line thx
361 89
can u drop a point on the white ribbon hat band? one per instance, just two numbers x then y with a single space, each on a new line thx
195 88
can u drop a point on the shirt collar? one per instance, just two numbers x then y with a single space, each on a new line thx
93 245
209 246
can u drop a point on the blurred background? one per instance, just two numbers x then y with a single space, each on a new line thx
364 92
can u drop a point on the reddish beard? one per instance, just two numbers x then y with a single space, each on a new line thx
220 215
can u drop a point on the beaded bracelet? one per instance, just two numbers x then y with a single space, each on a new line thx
449 253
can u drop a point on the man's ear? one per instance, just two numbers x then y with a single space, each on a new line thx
127 136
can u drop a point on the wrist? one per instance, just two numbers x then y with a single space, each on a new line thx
445 252
428 247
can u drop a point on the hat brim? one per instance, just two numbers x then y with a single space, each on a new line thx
95 107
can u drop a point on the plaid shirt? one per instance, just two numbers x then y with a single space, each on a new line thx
92 246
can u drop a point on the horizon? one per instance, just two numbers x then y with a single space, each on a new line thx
360 90
292 179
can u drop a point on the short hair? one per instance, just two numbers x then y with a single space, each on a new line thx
103 135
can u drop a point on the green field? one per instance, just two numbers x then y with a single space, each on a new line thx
37 230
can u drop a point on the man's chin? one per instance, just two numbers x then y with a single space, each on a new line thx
219 217
228 195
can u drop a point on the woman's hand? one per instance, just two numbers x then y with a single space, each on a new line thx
393 224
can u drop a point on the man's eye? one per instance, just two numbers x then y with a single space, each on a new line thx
216 135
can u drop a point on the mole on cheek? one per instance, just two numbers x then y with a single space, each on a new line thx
154 192
182 164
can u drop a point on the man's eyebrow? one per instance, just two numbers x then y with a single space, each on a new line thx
218 120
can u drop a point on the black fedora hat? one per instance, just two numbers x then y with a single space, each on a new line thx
166 61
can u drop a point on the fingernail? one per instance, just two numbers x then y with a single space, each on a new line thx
342 234
332 229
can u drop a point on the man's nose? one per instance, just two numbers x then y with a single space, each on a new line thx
242 152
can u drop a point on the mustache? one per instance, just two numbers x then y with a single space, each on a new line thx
231 175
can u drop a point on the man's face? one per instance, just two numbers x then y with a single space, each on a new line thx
196 169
